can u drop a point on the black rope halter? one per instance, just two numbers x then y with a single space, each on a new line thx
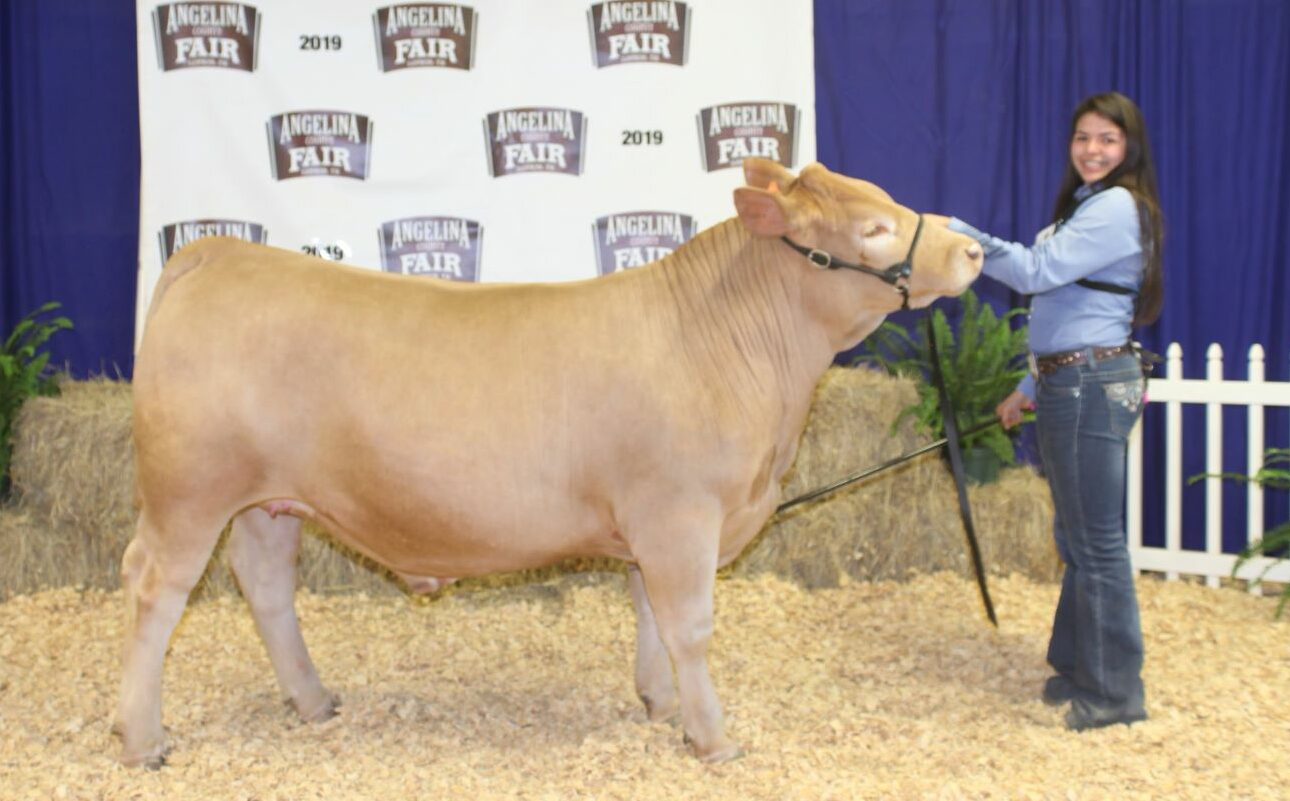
897 275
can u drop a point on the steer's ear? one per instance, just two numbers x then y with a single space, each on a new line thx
763 212
761 173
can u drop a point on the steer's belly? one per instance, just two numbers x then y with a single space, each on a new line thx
455 543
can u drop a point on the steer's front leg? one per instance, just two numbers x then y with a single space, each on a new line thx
678 563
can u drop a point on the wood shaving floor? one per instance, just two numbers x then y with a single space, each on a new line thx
887 690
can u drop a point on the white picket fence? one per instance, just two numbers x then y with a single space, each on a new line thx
1214 391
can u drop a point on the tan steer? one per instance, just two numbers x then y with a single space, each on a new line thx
450 430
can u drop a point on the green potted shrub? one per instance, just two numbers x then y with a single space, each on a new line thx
1275 543
24 374
982 360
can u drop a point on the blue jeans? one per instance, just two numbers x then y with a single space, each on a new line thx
1084 415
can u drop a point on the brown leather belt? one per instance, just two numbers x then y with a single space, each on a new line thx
1053 362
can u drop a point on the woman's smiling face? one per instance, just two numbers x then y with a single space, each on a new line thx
1097 147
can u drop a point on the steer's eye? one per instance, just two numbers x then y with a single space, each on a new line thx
876 229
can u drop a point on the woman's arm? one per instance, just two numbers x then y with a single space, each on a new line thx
1103 231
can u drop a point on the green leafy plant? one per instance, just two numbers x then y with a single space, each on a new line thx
1275 543
982 361
25 373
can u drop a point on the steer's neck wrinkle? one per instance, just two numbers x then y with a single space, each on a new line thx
741 312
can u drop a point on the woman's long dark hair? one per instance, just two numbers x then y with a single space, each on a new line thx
1137 173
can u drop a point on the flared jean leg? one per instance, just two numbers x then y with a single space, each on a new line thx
1083 433
1061 645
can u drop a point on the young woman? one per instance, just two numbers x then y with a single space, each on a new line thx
1094 273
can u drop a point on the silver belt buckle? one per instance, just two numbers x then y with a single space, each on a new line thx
1033 364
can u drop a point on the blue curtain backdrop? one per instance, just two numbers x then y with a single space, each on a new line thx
69 174
955 106
963 107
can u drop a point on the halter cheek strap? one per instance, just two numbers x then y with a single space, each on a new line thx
897 275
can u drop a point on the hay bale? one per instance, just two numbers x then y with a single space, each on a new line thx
73 462
897 522
73 480
73 472
32 558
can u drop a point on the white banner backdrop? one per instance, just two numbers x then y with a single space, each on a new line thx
570 137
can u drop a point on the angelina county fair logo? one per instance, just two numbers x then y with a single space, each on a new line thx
736 131
425 35
535 140
439 247
634 31
306 143
206 35
636 238
171 238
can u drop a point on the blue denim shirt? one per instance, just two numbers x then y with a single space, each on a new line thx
1100 241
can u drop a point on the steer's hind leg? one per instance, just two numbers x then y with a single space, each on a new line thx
262 551
157 574
654 682
677 556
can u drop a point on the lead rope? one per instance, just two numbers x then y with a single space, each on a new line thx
897 276
951 439
956 467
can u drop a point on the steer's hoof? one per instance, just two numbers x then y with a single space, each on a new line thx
321 711
151 759
726 751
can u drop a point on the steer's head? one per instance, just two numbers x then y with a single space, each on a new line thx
857 222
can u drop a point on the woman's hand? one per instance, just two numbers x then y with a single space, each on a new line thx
1011 409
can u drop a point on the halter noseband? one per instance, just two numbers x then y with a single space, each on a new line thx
897 275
